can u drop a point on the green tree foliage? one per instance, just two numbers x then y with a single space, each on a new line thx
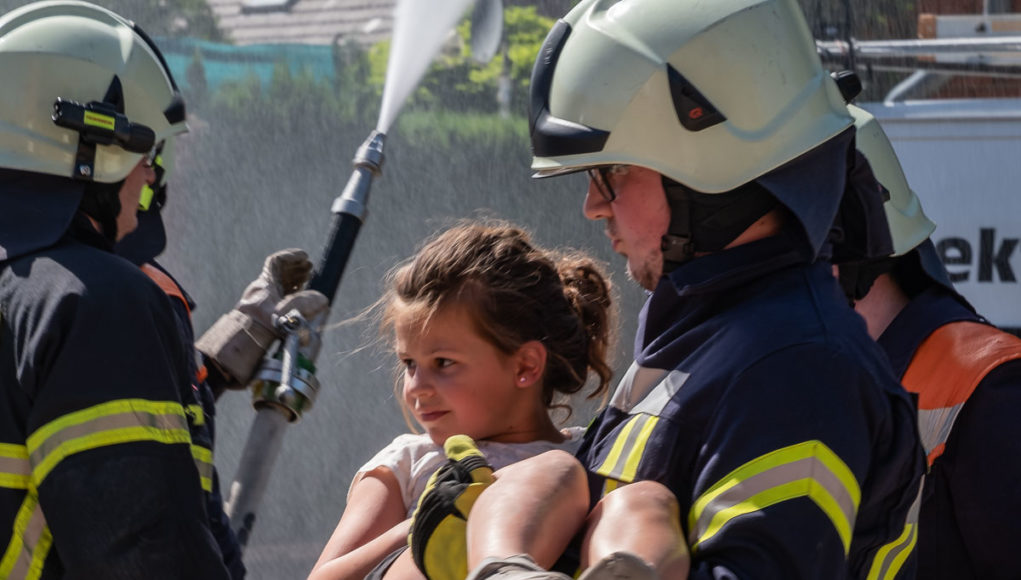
455 78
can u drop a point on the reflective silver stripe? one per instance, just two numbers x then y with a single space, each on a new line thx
891 557
614 464
110 423
633 386
30 543
657 399
204 462
15 470
106 423
935 425
809 469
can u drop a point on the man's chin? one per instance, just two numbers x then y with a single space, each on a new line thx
643 277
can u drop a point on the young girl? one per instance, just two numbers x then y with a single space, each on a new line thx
488 328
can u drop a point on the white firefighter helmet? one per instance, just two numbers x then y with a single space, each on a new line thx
709 94
116 95
909 226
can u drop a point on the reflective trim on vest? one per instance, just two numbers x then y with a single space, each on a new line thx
196 414
30 542
808 469
946 369
204 462
15 470
891 557
625 455
110 423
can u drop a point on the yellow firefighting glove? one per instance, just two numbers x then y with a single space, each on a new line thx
437 539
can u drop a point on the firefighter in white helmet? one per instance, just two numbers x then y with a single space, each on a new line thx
967 375
103 457
718 151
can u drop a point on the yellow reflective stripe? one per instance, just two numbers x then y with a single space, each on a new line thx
30 542
635 455
14 466
889 559
618 447
198 416
98 120
625 455
808 469
204 462
886 567
110 423
610 485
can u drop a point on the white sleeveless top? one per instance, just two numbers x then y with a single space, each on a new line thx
413 458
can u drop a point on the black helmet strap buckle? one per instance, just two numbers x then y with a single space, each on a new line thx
704 222
678 244
101 123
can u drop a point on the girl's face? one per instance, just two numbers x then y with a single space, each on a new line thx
455 382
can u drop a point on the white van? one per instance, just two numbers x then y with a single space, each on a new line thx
963 159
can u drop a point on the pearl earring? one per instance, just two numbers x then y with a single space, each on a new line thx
522 379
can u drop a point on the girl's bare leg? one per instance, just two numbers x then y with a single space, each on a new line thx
643 519
534 507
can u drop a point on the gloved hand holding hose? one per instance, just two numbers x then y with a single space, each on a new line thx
239 339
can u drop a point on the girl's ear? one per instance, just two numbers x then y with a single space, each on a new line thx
531 363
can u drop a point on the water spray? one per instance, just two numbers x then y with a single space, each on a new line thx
285 385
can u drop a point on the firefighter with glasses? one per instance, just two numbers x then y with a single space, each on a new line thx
758 413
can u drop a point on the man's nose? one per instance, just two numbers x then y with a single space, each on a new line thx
595 207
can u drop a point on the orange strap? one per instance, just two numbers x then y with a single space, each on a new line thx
167 284
945 371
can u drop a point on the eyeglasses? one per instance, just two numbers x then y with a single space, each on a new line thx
601 177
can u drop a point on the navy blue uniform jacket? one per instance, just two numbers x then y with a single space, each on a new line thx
970 521
771 415
98 477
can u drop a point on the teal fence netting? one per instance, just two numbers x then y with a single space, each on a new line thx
225 63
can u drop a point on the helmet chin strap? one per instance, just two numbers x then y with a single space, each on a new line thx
703 222
102 201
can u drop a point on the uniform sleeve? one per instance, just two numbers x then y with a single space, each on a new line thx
779 480
118 490
984 459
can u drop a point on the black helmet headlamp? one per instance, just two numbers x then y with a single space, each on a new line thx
99 123
104 123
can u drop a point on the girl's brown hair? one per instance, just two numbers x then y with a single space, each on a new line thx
514 292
